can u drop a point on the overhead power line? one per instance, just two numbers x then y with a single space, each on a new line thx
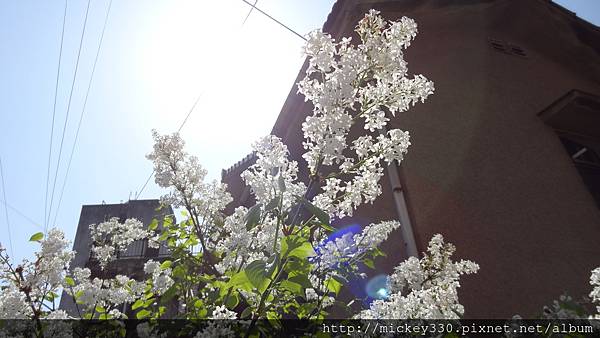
178 130
277 21
139 193
62 190
6 209
62 36
67 115
249 12
18 212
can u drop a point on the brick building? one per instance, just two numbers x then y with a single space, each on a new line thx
504 161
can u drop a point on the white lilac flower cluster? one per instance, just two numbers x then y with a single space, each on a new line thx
53 259
13 304
216 329
563 308
346 83
240 246
424 288
184 176
176 169
112 293
340 255
272 176
91 293
595 294
161 277
26 285
221 312
112 236
324 296
351 246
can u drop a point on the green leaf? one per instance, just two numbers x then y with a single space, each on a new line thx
296 266
334 284
296 246
205 278
240 280
179 272
294 288
271 266
289 243
272 315
246 313
303 251
167 222
340 279
69 281
165 265
327 227
253 216
169 294
232 301
198 304
320 214
149 302
369 262
51 296
36 237
143 314
256 273
164 236
138 303
378 253
301 279
153 225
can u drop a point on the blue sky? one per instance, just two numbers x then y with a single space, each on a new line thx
156 58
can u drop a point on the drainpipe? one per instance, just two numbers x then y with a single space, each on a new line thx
400 201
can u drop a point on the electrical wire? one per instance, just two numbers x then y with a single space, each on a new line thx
6 209
252 7
277 21
62 190
249 12
178 130
137 195
67 116
62 36
18 212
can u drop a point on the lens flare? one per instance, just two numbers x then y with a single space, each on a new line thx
352 229
377 287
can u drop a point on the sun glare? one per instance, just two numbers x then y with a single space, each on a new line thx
201 48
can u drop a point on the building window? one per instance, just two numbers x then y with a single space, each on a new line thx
498 45
516 50
575 118
580 153
586 162
504 47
